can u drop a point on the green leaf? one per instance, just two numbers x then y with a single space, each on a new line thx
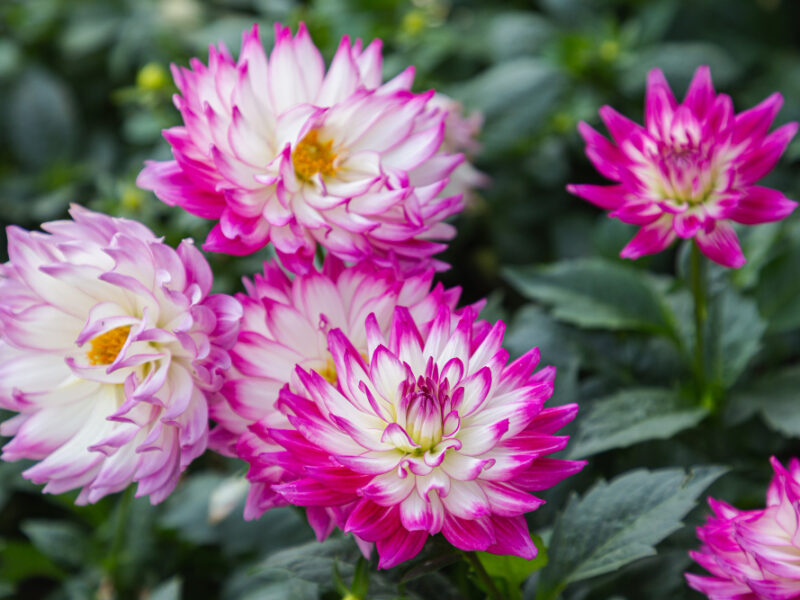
738 335
618 522
595 293
630 417
169 590
512 571
42 119
776 396
63 542
20 560
778 291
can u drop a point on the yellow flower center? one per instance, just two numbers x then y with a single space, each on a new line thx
329 372
311 156
105 347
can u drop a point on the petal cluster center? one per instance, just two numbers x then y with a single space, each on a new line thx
104 349
312 156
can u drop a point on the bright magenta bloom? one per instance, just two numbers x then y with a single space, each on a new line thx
109 343
690 171
430 431
277 149
286 323
753 554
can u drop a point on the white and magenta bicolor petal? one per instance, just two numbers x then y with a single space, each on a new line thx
690 171
110 343
753 554
428 431
286 323
278 150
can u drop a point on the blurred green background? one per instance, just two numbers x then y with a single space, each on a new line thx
85 91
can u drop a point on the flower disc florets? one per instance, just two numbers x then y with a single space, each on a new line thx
691 170
431 432
108 347
279 150
753 554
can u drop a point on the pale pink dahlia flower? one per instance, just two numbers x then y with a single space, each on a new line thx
285 324
109 343
753 554
691 170
277 149
430 431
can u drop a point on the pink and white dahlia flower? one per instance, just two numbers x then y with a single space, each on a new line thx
753 554
277 149
285 324
690 172
109 343
429 431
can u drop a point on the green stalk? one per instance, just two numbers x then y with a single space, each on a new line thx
699 286
117 543
475 562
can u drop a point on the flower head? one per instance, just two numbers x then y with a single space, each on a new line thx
285 324
691 170
109 343
753 554
277 149
429 431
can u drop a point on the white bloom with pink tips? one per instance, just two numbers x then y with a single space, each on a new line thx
108 347
429 432
279 150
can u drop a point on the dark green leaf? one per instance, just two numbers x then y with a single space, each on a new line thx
61 541
630 417
596 293
776 396
618 522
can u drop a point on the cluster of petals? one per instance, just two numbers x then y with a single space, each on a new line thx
286 323
109 345
277 149
430 431
691 171
753 554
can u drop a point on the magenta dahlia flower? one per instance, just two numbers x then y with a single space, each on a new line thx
109 343
430 431
286 323
690 172
753 554
277 149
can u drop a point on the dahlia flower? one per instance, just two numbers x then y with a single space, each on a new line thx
753 554
286 323
690 172
430 431
109 343
277 149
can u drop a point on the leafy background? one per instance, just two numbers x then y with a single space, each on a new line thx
84 93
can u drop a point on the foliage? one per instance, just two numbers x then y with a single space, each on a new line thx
85 91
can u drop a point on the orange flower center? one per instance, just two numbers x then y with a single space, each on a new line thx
311 156
105 347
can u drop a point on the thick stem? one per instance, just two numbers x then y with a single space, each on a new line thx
485 578
700 294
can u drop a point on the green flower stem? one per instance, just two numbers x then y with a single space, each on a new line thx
699 286
475 562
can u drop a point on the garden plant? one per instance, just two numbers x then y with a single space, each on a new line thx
385 300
